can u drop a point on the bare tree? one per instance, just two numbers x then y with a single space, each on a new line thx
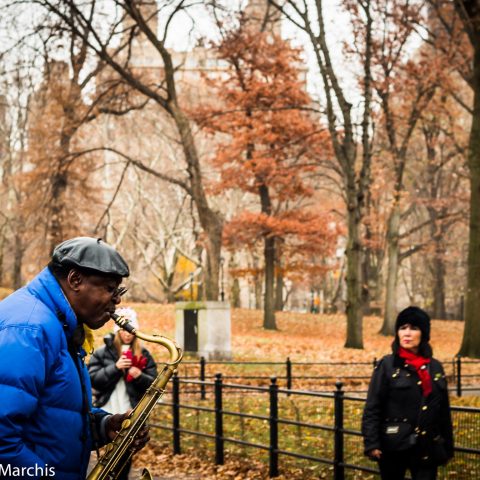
353 164
405 87
113 44
64 101
460 21
15 220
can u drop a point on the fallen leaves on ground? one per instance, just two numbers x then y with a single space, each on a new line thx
161 463
300 336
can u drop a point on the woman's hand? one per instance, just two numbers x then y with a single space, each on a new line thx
134 372
123 362
375 454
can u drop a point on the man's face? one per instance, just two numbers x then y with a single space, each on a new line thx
94 298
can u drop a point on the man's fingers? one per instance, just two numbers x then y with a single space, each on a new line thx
142 438
141 442
114 423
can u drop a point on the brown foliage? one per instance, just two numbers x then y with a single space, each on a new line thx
56 178
273 147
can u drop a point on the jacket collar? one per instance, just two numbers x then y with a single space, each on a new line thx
47 289
399 362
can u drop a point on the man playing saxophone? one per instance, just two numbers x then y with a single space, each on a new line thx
47 424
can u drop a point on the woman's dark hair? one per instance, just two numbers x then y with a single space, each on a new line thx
424 349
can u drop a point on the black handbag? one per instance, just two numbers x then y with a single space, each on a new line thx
396 436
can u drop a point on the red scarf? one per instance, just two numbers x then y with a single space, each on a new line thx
417 362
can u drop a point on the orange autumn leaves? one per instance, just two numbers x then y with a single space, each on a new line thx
269 146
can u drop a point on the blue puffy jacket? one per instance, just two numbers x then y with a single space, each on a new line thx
44 422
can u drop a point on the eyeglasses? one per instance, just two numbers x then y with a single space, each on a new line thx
119 291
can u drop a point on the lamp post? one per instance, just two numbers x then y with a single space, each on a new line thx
222 291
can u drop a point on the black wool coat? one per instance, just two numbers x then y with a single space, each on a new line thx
397 417
104 375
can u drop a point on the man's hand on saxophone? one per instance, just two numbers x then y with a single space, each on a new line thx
114 425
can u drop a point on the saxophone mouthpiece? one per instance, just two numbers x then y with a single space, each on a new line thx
122 322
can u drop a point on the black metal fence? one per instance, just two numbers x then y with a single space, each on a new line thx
463 374
326 427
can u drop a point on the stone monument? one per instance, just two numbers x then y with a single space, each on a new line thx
204 328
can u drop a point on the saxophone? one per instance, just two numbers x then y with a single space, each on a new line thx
118 452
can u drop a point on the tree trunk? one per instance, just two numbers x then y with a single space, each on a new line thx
258 291
366 276
211 221
279 290
438 268
170 296
354 282
214 250
257 283
55 233
57 228
235 294
437 231
269 322
388 327
471 334
371 270
2 244
439 310
18 259
279 301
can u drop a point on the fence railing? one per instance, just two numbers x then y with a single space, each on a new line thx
335 423
463 374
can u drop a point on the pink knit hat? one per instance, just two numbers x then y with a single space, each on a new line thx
130 314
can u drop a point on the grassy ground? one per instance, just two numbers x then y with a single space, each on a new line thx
298 438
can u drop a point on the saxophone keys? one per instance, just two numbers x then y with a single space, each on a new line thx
126 423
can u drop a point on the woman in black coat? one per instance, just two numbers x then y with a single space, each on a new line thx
121 365
406 422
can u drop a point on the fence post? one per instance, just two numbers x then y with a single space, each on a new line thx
176 414
289 374
338 468
454 370
218 420
459 376
202 378
273 470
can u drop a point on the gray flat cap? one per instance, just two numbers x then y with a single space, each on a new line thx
92 253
